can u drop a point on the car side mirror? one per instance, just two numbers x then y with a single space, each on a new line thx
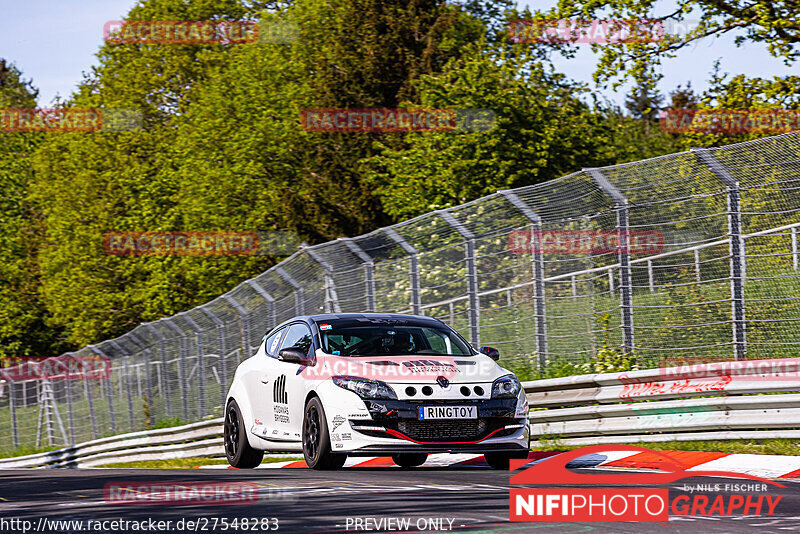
293 355
491 352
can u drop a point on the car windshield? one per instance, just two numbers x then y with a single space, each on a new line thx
348 338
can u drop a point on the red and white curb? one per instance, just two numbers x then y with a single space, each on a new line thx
763 465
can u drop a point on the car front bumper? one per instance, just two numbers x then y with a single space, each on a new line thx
394 427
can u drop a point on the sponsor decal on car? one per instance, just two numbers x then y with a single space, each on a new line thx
337 422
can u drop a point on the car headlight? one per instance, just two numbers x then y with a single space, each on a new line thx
364 388
505 387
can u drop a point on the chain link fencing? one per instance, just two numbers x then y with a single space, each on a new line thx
690 254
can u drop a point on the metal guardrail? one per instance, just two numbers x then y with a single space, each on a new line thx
201 439
754 399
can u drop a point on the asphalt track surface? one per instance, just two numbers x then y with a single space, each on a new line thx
474 498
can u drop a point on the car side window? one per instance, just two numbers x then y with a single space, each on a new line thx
298 337
273 341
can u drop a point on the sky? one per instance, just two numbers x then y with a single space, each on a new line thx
54 41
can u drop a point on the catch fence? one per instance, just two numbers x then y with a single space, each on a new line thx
690 254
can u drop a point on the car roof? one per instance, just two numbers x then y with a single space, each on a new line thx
384 316
333 316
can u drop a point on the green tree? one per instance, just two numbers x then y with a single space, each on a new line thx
23 331
88 184
644 103
542 131
774 23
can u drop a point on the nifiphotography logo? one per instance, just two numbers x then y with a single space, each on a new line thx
608 497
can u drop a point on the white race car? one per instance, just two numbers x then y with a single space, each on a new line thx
352 384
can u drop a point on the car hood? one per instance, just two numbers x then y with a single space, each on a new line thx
410 369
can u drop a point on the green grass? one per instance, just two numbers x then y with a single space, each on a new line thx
179 463
27 449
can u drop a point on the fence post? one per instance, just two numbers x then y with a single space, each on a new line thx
107 381
201 371
223 349
794 248
163 374
331 297
126 364
736 246
12 403
697 274
369 272
148 385
299 308
416 299
273 320
537 255
70 415
243 321
623 230
181 365
472 275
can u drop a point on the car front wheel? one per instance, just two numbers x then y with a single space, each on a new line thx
316 439
238 450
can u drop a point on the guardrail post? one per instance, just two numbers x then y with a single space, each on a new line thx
623 231
270 300
537 255
181 365
331 297
107 381
408 248
299 304
126 364
736 246
369 272
223 365
472 275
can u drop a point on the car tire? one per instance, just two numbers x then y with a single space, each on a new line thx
316 439
501 460
410 459
237 449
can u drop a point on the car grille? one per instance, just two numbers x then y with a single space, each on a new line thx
460 430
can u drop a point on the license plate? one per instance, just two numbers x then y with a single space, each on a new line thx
447 412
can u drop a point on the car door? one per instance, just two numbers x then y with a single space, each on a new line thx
289 388
259 384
